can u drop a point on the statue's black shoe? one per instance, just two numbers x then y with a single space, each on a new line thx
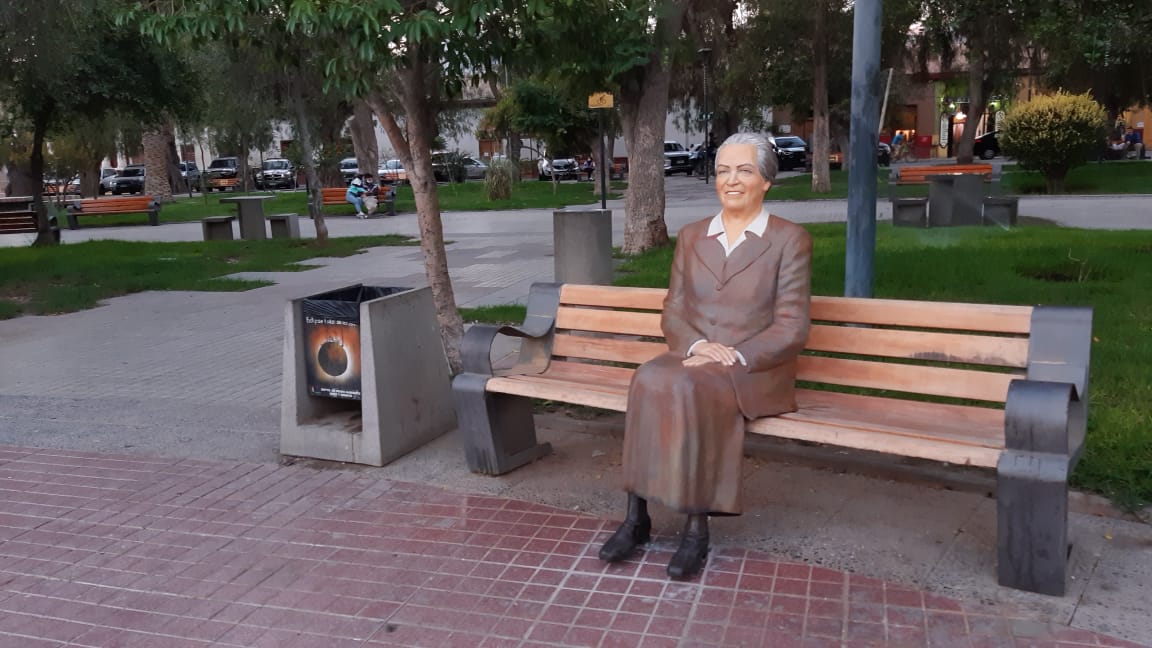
631 534
689 559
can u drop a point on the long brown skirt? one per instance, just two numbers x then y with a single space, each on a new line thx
684 437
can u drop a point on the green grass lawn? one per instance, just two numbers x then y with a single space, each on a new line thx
1113 177
992 265
67 278
1116 177
469 196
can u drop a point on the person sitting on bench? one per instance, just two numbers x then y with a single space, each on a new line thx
735 318
1134 143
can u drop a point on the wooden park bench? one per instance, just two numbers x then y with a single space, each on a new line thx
983 206
18 216
1001 387
335 196
117 205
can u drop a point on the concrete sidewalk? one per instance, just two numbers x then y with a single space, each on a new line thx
196 377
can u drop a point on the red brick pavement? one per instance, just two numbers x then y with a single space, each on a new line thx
123 551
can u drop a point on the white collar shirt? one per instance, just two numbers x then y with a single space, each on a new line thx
758 226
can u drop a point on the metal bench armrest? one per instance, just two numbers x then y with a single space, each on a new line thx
537 332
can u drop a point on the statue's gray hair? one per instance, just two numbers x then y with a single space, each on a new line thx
765 155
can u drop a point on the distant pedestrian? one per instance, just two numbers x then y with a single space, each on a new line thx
355 195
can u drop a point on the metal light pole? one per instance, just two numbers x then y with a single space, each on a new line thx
706 52
863 134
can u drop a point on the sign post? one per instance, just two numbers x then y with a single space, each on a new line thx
602 101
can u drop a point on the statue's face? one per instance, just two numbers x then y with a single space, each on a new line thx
739 184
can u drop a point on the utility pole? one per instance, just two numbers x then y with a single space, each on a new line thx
863 135
706 52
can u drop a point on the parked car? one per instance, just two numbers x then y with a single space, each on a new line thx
563 168
677 159
221 174
56 187
883 156
191 174
276 173
392 171
129 180
474 169
457 167
791 152
986 147
106 178
349 169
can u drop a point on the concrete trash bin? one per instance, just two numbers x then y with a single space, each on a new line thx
365 378
582 241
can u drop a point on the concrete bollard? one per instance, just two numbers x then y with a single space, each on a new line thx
582 239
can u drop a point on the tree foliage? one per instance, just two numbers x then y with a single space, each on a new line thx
1100 46
1054 133
64 62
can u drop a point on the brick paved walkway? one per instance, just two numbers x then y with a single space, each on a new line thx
125 551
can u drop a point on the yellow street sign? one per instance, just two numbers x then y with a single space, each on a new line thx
600 100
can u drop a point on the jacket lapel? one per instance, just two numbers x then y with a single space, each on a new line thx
711 254
746 254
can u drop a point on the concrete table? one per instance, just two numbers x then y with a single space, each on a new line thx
968 198
251 211
940 199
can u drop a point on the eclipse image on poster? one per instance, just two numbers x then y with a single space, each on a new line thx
333 357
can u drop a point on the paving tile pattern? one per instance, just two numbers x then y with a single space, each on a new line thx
103 550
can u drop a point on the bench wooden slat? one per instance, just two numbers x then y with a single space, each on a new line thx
912 379
990 318
966 424
876 441
920 345
614 349
920 174
609 321
613 296
957 434
93 206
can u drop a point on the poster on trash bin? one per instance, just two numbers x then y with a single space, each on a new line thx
332 363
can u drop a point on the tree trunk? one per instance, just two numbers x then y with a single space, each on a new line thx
179 183
364 137
976 94
311 174
36 171
415 151
644 110
821 178
156 183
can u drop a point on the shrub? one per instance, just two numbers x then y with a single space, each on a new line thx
1054 133
502 174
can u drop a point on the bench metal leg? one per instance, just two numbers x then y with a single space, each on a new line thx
1032 488
72 221
498 431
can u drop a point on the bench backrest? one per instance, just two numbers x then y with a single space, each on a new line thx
115 205
334 195
920 174
15 222
962 351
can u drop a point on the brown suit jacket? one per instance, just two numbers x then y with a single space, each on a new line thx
755 300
